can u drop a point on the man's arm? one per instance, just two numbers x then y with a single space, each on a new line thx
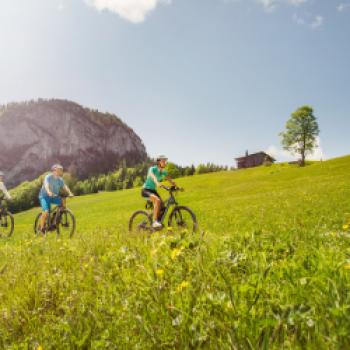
47 187
168 178
66 188
4 190
151 174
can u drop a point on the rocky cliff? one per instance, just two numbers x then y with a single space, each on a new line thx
36 134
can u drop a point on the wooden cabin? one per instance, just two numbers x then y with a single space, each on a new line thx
253 160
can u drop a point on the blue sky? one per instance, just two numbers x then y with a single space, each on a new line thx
198 80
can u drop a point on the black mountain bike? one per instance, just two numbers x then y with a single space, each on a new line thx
60 220
7 222
180 217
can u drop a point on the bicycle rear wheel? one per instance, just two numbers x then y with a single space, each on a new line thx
183 218
7 224
65 223
140 222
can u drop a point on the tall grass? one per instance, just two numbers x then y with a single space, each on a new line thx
268 269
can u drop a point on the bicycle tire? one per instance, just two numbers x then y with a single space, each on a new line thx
62 222
146 223
8 220
177 215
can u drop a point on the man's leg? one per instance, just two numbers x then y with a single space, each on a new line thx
44 216
156 206
45 206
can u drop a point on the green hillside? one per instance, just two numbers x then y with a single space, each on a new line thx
268 269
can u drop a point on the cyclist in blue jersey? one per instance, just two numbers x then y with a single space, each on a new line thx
156 174
50 192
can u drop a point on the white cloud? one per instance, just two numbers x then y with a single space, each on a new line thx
296 2
318 152
279 154
61 6
343 7
317 22
132 10
270 5
312 22
297 19
285 156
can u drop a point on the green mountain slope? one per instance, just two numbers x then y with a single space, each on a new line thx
268 268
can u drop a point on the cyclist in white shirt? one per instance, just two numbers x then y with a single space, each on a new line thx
3 190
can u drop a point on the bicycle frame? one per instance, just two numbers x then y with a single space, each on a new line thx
171 201
178 215
59 218
53 214
2 215
3 210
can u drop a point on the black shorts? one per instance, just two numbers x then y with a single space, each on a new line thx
147 193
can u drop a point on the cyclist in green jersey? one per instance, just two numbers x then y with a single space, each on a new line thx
156 174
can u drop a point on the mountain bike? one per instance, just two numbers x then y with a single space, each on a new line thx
180 217
7 222
60 219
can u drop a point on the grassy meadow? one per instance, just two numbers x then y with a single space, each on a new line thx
269 268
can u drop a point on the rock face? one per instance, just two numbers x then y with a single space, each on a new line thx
35 135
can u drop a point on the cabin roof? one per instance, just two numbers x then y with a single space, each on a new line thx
254 155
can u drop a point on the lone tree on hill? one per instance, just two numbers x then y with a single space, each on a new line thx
301 133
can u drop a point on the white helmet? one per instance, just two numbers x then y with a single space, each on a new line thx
56 166
162 157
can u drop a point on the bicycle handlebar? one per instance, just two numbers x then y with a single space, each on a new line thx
62 196
172 188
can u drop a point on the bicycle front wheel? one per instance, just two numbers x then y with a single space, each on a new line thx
140 222
7 224
65 223
183 218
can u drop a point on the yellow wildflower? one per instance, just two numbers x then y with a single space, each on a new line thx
160 272
175 253
345 227
182 285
